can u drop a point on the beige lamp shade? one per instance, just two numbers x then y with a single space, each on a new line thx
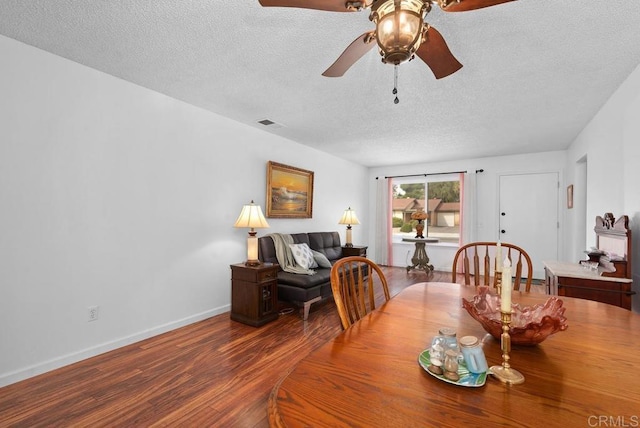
349 217
251 216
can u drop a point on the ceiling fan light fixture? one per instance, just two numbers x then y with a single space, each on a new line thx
401 32
399 28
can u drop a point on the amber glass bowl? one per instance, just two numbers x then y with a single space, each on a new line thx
530 325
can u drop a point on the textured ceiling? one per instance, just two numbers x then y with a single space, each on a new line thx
535 72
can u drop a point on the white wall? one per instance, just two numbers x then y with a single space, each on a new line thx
117 196
441 256
610 143
631 156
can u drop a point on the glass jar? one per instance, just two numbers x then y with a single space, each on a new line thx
436 356
451 365
447 339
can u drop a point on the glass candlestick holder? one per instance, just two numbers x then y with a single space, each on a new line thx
504 372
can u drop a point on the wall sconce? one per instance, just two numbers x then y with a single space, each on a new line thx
349 217
251 216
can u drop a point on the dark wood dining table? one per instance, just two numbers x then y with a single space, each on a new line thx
369 375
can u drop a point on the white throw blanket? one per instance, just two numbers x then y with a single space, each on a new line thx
284 254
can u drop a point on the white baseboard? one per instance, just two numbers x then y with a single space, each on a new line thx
65 360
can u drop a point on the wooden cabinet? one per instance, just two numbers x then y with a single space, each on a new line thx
611 292
573 280
254 293
355 250
610 279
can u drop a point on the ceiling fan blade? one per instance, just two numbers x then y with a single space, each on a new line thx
436 54
328 5
465 5
351 54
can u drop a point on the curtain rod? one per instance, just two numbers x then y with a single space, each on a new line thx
424 175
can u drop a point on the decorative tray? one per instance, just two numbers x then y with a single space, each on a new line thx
467 378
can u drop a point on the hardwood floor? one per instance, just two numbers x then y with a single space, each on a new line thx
216 372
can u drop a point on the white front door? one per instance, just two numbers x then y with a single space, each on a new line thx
528 215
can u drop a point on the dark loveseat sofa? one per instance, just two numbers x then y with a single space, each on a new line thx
299 289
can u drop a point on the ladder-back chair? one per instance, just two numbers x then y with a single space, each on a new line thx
478 261
357 283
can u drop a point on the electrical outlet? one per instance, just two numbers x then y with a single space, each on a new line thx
93 312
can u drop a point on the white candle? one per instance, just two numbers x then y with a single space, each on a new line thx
498 257
505 297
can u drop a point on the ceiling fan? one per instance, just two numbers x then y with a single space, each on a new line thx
401 31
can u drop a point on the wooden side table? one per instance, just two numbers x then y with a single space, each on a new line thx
254 293
356 250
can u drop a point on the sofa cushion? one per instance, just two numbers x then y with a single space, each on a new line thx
303 256
327 243
305 281
321 260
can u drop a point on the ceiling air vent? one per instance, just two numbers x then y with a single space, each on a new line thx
270 123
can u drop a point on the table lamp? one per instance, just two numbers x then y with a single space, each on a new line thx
349 217
251 216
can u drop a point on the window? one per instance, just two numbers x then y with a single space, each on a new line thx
442 205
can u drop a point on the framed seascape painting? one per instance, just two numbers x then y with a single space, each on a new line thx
289 191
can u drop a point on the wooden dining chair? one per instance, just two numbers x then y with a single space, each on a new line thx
478 261
356 283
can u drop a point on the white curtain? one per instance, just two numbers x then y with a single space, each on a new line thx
384 253
469 208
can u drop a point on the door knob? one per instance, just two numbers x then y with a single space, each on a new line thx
503 214
502 231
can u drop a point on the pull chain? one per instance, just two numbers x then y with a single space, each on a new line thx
395 84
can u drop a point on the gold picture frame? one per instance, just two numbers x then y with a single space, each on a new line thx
289 191
570 196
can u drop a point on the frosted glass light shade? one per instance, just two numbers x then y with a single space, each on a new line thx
399 28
